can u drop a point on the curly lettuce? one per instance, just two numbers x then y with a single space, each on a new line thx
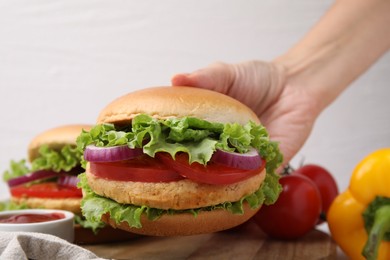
65 159
196 137
57 160
16 169
9 205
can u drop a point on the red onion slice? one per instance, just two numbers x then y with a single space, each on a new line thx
247 161
93 153
69 181
38 175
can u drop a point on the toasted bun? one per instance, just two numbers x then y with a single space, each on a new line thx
186 224
55 138
166 102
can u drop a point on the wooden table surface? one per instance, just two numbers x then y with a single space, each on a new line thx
247 242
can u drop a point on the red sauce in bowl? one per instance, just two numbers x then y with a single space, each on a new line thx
30 218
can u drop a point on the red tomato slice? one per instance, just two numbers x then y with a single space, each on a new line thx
45 190
142 169
213 173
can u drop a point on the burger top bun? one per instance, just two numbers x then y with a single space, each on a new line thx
166 102
55 138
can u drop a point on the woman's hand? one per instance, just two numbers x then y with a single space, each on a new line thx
289 93
288 112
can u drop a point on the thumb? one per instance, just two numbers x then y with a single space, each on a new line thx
217 76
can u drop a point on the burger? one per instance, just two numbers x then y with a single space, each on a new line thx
48 178
175 161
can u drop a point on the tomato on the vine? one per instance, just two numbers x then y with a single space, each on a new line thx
295 212
325 183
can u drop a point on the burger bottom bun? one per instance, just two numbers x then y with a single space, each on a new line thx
186 224
69 204
108 234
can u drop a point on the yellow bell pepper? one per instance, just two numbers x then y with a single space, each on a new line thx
365 205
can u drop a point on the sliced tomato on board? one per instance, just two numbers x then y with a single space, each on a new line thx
45 190
213 173
140 169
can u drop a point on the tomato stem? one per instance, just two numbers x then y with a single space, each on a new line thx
380 227
323 216
287 170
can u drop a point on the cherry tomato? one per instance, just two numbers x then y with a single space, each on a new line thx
325 183
45 190
213 173
142 168
295 212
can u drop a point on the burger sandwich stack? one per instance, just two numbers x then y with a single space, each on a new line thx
174 161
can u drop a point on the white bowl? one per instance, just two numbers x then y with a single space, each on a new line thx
63 227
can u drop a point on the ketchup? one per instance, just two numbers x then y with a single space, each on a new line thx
31 218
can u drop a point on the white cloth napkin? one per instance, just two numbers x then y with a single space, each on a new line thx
28 245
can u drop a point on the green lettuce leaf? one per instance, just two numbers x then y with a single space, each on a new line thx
49 159
63 160
94 226
16 169
196 137
9 205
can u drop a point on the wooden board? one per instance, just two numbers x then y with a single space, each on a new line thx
247 242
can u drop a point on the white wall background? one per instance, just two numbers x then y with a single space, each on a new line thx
63 61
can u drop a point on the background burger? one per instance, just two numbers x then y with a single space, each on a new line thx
50 180
171 161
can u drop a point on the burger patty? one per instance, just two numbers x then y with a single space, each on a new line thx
178 195
70 204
